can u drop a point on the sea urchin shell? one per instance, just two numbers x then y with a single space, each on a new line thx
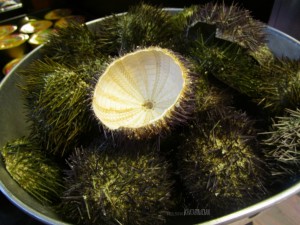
143 92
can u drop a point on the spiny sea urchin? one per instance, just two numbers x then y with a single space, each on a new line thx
145 25
230 64
108 34
57 100
144 93
282 89
233 23
73 45
283 142
218 163
33 170
209 96
117 186
271 82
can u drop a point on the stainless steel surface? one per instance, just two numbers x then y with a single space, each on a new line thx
13 124
285 16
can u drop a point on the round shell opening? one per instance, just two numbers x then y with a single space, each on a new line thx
139 89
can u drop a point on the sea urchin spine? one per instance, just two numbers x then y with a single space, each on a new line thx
32 170
112 186
218 162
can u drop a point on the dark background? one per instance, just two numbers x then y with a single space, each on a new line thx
98 8
281 14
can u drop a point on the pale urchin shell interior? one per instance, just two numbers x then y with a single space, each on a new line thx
139 88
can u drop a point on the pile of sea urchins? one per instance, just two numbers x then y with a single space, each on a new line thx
153 112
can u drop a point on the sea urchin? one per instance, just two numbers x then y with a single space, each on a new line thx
114 186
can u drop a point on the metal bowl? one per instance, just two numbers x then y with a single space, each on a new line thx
13 125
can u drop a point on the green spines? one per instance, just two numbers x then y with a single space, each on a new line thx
218 162
209 96
230 64
234 24
263 55
233 49
282 89
282 145
57 101
145 26
72 45
109 187
108 34
270 82
33 170
219 39
223 58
